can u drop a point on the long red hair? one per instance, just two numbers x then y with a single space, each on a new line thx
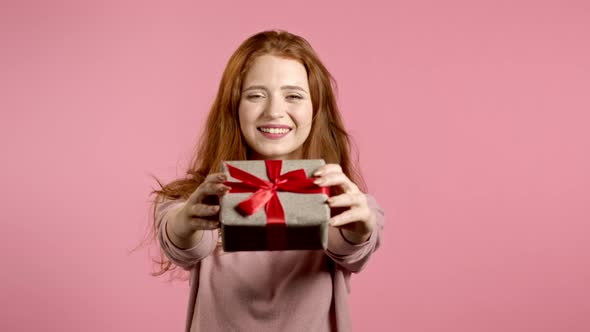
222 139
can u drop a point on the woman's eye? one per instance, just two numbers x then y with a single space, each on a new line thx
254 96
294 97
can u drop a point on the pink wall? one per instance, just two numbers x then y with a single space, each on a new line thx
471 117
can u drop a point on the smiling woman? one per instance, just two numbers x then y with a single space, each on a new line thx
275 101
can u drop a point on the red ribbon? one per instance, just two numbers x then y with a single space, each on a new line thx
265 192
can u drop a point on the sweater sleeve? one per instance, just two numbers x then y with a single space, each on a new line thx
354 257
185 258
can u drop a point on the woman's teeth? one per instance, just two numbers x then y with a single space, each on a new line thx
275 130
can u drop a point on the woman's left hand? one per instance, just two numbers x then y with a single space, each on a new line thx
356 221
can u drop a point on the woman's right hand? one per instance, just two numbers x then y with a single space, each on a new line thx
199 212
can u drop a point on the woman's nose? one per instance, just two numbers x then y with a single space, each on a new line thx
275 108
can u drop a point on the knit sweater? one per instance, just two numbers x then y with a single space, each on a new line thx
301 290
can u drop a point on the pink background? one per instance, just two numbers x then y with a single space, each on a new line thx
471 116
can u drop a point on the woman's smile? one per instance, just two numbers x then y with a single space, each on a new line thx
274 131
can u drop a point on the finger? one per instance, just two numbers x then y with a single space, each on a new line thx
203 210
337 179
196 196
328 168
347 200
207 189
216 177
204 224
350 216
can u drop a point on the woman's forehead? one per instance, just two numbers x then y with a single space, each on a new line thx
271 69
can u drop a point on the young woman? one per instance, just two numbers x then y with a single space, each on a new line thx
275 101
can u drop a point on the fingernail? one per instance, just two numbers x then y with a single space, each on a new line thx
318 173
318 181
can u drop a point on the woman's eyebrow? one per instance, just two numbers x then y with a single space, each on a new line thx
293 87
284 87
255 87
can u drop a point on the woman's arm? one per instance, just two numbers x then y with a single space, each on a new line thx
183 252
351 255
354 230
187 230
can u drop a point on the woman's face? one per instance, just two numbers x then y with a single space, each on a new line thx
275 110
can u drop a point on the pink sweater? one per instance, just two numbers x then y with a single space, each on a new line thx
268 290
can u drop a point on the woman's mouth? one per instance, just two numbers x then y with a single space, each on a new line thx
274 132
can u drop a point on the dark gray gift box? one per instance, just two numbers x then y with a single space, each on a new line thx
306 214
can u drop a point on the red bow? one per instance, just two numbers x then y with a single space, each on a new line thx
265 192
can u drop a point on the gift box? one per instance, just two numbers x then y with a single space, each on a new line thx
273 205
